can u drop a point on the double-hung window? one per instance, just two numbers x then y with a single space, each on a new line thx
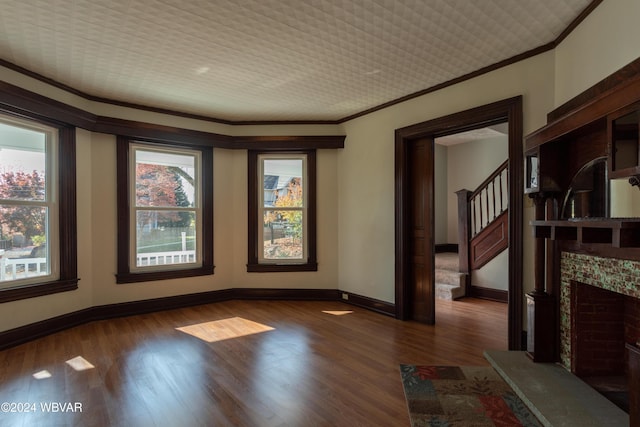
31 209
282 211
165 209
168 224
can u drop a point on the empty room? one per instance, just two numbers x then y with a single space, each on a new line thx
319 213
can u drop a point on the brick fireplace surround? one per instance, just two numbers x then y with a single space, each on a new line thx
600 324
599 318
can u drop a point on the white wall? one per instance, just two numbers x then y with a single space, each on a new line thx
607 40
494 274
366 166
624 199
603 43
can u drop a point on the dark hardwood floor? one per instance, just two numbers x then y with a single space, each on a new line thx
239 363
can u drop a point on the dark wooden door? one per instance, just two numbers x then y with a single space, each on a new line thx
421 196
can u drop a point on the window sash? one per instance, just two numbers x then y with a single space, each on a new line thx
30 274
262 210
165 260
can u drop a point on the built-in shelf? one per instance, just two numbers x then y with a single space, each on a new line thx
617 232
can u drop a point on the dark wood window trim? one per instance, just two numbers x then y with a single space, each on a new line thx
124 274
68 242
253 266
22 101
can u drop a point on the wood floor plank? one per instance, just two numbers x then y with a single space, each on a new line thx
256 363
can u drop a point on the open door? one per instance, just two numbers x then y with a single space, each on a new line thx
422 264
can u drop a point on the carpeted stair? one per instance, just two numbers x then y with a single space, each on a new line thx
450 283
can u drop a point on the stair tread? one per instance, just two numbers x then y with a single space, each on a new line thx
449 272
448 285
449 277
448 292
447 261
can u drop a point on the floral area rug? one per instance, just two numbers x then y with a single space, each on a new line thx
462 396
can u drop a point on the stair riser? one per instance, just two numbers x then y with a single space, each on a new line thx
448 293
448 277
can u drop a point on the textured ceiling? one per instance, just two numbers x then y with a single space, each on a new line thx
270 60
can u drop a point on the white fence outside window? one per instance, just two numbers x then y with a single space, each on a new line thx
20 268
163 258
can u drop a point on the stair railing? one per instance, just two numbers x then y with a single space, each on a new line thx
490 199
479 208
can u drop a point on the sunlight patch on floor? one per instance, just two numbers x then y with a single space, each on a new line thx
42 375
79 363
224 329
337 312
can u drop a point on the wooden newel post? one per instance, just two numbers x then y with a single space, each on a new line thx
464 231
540 304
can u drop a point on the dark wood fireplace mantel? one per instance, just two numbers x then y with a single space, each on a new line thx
574 242
617 232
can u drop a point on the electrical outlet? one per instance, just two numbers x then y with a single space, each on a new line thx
345 296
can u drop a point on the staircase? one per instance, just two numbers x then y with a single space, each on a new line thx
450 283
482 234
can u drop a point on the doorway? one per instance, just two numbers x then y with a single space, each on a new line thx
414 201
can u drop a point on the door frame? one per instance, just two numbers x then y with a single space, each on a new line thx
504 110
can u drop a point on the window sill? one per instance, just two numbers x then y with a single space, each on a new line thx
272 268
153 276
37 290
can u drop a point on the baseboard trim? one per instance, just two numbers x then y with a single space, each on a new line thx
26 333
489 294
133 308
372 304
287 294
22 334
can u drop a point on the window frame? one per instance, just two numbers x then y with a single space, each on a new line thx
62 240
255 212
134 208
128 272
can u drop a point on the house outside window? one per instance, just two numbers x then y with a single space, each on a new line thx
282 211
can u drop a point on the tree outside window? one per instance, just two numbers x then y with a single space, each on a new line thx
166 207
26 202
282 225
283 231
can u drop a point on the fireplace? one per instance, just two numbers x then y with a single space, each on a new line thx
599 317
